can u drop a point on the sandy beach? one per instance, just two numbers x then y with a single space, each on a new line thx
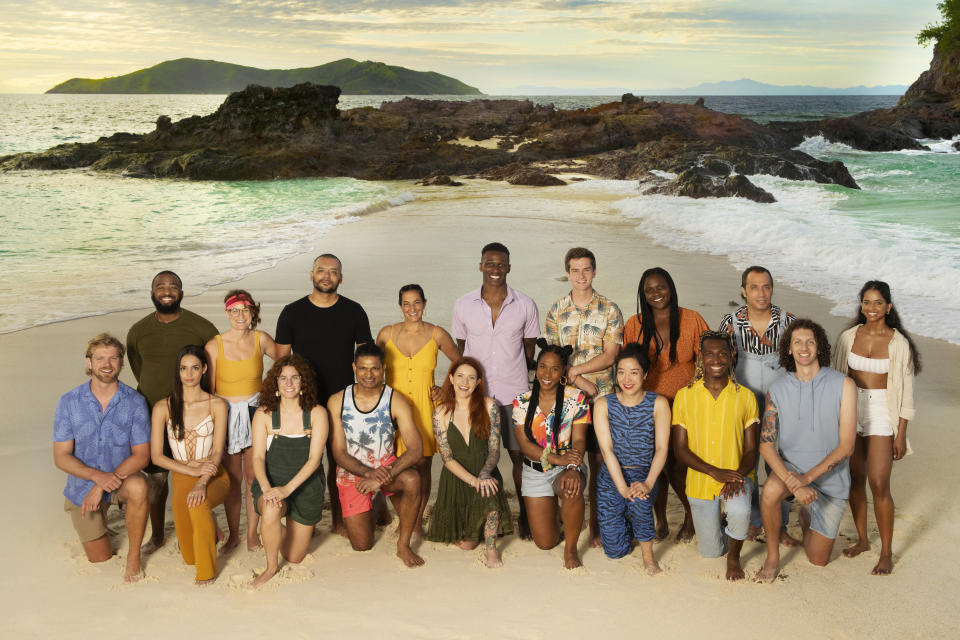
50 590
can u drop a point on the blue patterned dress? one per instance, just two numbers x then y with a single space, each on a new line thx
634 443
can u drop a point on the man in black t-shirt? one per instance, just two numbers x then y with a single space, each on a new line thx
325 327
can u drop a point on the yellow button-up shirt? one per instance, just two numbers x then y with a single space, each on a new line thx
715 428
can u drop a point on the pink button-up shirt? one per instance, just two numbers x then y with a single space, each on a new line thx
499 348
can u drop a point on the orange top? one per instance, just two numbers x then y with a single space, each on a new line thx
665 377
239 377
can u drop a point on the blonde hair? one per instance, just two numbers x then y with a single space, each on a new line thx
103 340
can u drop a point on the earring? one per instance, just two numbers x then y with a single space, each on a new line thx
301 392
277 393
563 380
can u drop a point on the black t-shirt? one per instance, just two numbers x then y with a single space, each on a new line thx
326 337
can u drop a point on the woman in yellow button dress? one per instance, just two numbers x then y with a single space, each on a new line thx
412 347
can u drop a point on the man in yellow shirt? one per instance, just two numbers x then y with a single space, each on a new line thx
715 436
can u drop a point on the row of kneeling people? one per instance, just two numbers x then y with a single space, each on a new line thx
624 409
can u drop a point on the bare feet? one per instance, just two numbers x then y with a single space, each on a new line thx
595 540
856 549
133 572
663 531
205 583
571 559
157 541
686 532
734 570
884 566
467 545
788 540
768 573
220 535
754 532
409 558
253 543
232 543
493 558
261 579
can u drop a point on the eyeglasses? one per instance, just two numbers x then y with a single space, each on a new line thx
239 311
295 378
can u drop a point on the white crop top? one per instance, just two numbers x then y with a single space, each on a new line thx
868 365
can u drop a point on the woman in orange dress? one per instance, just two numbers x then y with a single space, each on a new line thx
670 334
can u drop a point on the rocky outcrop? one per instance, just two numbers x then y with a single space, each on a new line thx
438 179
700 182
938 84
262 133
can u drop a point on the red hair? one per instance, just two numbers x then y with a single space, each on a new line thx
479 417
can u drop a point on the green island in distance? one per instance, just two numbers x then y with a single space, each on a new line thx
189 75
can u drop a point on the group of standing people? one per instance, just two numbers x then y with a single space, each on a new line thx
624 409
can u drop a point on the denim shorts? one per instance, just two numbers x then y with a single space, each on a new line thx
826 512
539 484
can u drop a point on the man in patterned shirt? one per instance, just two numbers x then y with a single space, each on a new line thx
101 439
756 328
593 325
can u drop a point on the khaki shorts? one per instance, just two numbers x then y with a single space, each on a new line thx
93 524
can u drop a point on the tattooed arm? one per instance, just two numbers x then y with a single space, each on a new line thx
848 434
493 443
769 434
441 423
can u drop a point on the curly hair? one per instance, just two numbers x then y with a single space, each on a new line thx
823 344
727 340
270 392
479 418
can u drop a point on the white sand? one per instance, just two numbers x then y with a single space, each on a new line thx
49 589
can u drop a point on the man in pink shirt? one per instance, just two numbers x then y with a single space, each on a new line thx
498 326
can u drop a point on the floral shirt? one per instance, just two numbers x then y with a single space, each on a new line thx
576 410
586 329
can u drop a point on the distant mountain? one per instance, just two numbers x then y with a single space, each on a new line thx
189 75
743 87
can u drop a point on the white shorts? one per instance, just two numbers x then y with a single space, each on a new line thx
873 415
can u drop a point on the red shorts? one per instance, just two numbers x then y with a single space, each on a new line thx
352 502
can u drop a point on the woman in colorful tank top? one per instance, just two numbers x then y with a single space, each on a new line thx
195 422
236 369
550 423
633 431
411 347
878 353
289 433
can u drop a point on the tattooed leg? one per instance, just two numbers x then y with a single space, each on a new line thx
490 528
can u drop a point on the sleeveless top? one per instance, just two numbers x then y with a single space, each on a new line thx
809 414
868 365
632 431
197 441
370 434
275 428
239 377
412 377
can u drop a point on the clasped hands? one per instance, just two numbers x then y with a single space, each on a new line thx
374 479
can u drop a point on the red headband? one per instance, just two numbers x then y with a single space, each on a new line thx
233 301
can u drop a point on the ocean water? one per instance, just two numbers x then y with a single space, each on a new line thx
90 241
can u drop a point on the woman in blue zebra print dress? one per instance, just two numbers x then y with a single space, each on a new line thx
633 430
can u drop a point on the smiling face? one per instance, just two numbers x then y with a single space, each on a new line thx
803 347
326 275
166 294
239 316
716 360
630 376
494 266
412 305
288 382
368 371
657 292
758 291
873 306
580 273
191 370
105 364
464 381
549 371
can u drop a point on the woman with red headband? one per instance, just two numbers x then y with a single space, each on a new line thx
236 372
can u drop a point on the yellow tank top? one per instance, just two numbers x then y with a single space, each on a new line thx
237 378
412 376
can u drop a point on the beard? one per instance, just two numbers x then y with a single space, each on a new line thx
331 288
173 307
106 379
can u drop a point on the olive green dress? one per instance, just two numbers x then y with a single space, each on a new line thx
460 511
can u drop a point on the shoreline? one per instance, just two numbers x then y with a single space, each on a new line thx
421 241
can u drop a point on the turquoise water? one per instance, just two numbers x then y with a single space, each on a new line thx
90 242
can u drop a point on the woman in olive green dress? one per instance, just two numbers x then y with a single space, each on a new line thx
470 506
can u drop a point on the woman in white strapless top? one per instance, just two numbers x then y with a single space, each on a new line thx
195 422
882 359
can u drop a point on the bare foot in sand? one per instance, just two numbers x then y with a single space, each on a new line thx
768 573
409 558
854 550
466 545
262 579
734 570
595 542
493 558
649 562
662 533
788 540
686 532
232 543
155 543
253 543
133 571
753 533
571 559
884 566
205 583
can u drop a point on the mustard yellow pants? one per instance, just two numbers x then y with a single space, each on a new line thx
196 532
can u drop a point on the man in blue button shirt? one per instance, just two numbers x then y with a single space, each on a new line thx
101 439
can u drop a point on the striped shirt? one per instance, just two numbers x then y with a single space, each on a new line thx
754 343
715 428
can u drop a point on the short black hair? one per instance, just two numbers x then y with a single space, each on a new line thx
167 273
496 247
754 269
331 257
369 349
411 287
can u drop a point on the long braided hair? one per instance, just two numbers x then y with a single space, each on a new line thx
648 329
727 339
564 354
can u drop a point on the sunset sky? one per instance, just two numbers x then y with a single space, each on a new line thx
497 46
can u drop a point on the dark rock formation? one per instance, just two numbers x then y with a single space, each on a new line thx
534 178
938 84
698 182
439 179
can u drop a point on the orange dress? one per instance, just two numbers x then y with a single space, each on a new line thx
665 377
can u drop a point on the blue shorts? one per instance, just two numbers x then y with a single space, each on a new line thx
826 512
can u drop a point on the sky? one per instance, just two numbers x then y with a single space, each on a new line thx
500 47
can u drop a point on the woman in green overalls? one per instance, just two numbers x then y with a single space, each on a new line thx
289 432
